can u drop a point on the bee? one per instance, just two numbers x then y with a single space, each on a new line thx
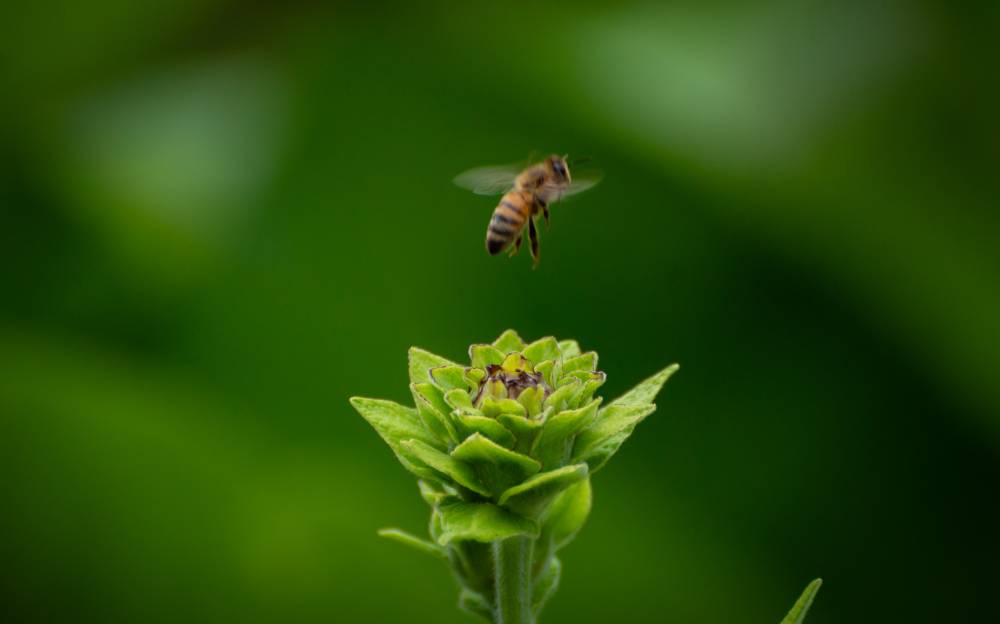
526 195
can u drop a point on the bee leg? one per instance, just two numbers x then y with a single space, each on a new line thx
533 236
516 247
545 212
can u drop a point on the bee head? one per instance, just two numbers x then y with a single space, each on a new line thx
560 170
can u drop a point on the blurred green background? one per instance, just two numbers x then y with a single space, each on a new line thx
221 219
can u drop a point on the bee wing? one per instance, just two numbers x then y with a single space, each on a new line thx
488 180
581 182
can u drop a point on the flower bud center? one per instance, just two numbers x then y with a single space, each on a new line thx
509 379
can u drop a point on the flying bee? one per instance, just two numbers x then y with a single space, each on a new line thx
527 194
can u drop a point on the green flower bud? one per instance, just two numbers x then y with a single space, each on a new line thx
503 450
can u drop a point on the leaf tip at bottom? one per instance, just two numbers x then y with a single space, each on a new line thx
412 541
798 611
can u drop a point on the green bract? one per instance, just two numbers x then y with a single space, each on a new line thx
504 449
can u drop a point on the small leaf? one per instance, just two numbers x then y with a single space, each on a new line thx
533 496
798 612
434 493
422 361
531 399
569 348
492 407
542 349
546 584
446 465
449 377
482 522
414 542
492 388
483 355
555 442
525 430
647 390
586 362
489 427
474 603
515 362
509 341
430 394
614 424
558 399
474 376
496 467
567 514
459 399
434 526
395 423
434 412
580 375
589 387
546 368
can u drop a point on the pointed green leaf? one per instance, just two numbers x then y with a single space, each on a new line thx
586 362
546 368
525 430
434 412
581 376
509 341
449 377
798 612
647 390
569 348
482 355
446 465
542 349
531 399
460 399
496 467
534 495
615 423
414 542
554 443
474 376
567 514
395 423
546 584
434 493
489 427
492 407
474 603
430 394
588 388
559 398
422 361
482 522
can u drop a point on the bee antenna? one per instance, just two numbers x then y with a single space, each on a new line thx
581 159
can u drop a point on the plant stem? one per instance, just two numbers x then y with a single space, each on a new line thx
512 559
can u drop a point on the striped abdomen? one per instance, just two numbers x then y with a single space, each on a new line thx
508 220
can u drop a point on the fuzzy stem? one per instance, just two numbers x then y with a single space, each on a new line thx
512 559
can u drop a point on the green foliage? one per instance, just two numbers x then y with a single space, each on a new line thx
532 496
798 611
414 542
504 449
482 522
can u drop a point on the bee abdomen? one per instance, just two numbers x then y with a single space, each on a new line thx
507 221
